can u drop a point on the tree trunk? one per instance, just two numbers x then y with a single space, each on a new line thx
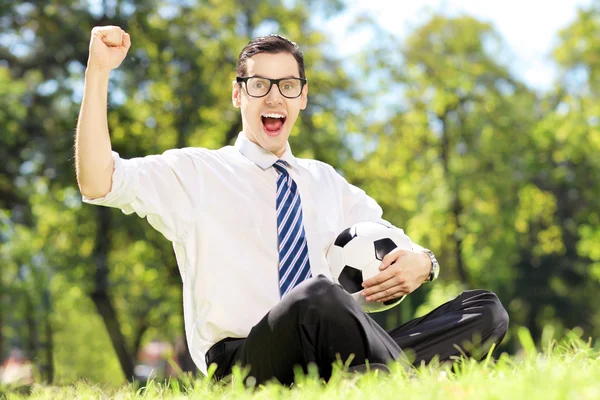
1 322
109 316
142 327
31 341
456 204
49 338
457 209
100 295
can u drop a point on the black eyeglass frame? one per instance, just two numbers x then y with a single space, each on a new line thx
275 82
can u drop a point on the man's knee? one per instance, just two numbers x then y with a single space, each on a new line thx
318 296
494 318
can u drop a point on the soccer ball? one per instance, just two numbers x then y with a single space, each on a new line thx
356 255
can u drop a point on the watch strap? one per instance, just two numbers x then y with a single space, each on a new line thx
435 266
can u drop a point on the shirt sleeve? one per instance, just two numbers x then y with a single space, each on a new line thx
357 206
154 187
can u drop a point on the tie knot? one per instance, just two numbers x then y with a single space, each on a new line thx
281 166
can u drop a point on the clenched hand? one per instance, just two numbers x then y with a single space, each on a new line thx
108 47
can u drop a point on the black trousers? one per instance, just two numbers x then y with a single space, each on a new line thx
318 322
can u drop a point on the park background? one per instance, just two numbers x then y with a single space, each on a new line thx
481 154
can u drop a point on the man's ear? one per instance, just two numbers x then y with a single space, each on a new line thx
304 97
236 94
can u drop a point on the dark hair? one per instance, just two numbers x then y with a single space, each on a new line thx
272 44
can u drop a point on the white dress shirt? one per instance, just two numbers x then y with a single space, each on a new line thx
217 207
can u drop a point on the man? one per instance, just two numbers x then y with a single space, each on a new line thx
250 225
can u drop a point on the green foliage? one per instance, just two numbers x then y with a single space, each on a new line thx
578 48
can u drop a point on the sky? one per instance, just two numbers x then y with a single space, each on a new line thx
529 27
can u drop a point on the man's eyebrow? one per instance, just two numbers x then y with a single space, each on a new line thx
285 77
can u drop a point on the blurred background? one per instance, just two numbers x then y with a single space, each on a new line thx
475 125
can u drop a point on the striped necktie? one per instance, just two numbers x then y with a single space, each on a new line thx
294 266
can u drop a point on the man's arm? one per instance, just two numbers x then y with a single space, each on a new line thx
93 152
162 188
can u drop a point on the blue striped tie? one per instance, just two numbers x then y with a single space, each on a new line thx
294 266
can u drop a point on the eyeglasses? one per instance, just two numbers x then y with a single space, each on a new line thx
260 87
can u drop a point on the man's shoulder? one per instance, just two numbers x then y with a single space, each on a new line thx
316 166
319 169
198 154
310 163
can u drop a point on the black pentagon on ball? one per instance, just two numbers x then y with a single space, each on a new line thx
383 246
351 279
345 236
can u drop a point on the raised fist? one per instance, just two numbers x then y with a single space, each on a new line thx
108 47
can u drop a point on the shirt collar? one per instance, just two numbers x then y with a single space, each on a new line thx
261 157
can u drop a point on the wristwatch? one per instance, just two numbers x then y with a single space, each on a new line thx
435 266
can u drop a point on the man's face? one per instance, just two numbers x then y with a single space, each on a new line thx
261 120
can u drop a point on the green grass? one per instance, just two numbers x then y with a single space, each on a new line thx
568 370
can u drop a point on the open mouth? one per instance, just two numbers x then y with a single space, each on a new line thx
272 123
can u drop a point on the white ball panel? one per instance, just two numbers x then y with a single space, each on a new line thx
367 306
335 259
371 270
374 306
372 230
359 252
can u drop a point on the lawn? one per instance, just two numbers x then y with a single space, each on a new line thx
569 369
